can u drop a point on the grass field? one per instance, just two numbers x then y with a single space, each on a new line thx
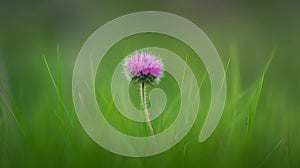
259 126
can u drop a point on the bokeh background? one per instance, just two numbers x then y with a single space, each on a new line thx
259 127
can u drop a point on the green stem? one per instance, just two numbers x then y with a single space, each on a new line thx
143 98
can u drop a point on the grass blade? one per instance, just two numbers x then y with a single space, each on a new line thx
257 95
270 154
14 116
56 87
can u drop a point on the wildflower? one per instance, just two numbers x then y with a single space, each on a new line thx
144 68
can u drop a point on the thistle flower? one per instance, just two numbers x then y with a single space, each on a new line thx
143 67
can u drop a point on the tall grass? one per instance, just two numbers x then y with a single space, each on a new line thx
63 115
11 106
257 93
240 139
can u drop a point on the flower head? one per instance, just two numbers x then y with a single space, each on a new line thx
143 67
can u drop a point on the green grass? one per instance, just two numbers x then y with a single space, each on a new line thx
10 105
63 114
253 131
257 93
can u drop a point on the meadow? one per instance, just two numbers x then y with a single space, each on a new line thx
259 126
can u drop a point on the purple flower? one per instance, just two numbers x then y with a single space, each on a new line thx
143 67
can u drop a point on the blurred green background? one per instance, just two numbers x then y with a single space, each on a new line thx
259 127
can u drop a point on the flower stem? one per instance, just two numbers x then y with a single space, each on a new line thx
143 99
